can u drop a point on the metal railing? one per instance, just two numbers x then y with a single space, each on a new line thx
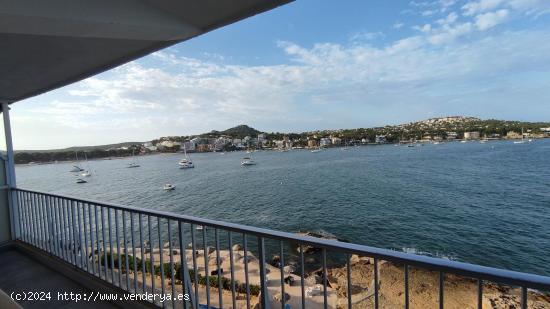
224 264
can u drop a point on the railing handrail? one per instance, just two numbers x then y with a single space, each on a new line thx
527 280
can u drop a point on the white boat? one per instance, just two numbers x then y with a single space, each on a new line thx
80 180
522 138
133 163
186 161
168 187
247 161
316 150
463 141
86 173
76 168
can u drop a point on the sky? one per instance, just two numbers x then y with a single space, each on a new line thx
313 65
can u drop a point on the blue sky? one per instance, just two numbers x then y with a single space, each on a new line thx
314 65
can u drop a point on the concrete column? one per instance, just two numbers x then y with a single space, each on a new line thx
9 165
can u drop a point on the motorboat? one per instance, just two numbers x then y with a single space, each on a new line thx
316 150
168 187
80 180
86 174
247 161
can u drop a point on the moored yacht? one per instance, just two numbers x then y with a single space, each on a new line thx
76 168
133 163
186 161
247 161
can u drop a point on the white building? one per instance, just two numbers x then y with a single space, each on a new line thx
471 135
335 140
325 141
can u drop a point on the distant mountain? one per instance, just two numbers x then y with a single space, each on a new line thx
84 148
241 131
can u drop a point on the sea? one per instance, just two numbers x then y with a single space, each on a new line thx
483 203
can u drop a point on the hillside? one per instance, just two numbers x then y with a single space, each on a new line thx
83 148
241 131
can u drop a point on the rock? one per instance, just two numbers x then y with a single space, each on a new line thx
354 259
276 261
312 280
289 269
310 260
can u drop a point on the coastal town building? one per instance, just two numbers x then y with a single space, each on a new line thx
335 140
380 139
471 135
312 143
324 142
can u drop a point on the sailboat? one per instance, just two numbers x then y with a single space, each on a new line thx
522 138
186 161
87 172
76 168
247 161
133 163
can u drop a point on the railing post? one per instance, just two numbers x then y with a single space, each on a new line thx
264 299
10 175
187 287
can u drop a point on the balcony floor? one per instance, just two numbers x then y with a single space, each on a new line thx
20 273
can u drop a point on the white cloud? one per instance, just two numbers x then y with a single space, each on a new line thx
449 34
366 36
491 19
398 25
450 19
475 7
424 28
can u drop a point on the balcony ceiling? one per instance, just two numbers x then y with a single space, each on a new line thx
48 44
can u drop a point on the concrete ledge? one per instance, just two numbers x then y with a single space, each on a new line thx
83 278
7 303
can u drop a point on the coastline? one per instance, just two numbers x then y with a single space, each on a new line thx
460 292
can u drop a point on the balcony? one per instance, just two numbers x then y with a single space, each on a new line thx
116 249
106 256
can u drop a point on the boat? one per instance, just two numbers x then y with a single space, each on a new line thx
86 173
80 180
522 138
247 161
133 163
168 187
316 150
76 168
463 141
186 161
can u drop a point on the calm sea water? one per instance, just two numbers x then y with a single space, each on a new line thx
487 204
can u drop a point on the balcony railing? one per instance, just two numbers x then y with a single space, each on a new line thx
225 264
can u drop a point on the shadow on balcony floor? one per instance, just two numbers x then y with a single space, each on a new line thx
20 274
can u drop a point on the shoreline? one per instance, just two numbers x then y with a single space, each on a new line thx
460 292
